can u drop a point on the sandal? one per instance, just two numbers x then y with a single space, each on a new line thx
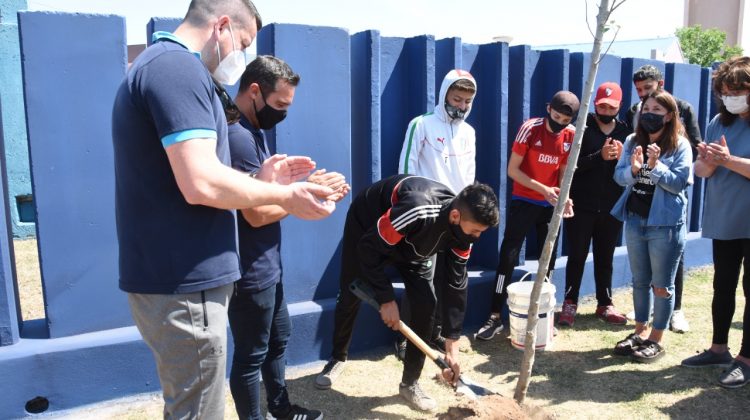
648 352
628 345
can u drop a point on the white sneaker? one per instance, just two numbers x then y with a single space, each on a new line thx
678 323
331 371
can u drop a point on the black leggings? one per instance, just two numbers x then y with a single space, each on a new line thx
728 257
522 216
580 231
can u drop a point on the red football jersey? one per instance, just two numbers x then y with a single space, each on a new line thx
544 153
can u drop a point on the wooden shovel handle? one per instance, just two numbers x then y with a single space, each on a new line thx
421 345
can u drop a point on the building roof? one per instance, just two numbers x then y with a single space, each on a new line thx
665 49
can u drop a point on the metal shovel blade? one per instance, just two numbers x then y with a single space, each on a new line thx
471 389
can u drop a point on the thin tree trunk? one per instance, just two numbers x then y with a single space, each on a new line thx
605 11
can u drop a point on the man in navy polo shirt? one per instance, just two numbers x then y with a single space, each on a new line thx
174 195
258 314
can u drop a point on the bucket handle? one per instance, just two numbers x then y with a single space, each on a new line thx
528 274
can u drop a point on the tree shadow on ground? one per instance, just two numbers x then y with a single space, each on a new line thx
561 376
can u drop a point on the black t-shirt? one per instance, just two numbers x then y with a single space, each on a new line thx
639 200
260 248
167 245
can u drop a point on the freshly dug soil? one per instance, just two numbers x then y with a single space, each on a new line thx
491 407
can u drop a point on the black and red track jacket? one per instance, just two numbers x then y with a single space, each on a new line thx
405 218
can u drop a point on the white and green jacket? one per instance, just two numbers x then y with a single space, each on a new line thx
438 147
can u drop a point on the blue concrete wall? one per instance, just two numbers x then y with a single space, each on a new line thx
489 66
310 249
14 122
69 124
9 305
365 113
357 95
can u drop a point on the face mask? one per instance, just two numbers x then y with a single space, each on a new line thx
555 126
735 104
268 116
605 119
454 112
652 122
460 235
230 69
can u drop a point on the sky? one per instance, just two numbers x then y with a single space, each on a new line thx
533 22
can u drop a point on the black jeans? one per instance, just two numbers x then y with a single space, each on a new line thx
417 277
261 328
580 231
522 216
729 256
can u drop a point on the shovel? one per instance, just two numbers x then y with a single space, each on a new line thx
464 386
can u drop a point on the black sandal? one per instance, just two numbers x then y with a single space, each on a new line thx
648 352
628 345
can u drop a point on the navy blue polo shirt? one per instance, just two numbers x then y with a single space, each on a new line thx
260 248
167 245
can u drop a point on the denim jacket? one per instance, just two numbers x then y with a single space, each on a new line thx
672 174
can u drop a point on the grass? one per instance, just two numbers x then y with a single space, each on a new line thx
579 379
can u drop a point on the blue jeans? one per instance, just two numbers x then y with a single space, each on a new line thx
654 252
261 328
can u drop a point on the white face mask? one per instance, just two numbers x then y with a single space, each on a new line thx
230 69
735 104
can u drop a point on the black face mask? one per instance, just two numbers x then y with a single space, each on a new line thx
651 122
460 235
605 119
454 112
555 126
268 116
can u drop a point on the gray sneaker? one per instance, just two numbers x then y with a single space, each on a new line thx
738 375
328 375
414 395
489 329
708 358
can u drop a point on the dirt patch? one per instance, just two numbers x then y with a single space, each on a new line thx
491 407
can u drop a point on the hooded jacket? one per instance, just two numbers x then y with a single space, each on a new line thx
439 147
406 221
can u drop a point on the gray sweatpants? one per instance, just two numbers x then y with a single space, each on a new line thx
188 335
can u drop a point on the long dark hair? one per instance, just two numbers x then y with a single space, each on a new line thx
669 137
735 75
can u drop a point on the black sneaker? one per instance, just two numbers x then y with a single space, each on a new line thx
328 375
648 352
297 413
400 349
709 358
738 375
489 329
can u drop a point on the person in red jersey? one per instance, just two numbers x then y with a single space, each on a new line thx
536 166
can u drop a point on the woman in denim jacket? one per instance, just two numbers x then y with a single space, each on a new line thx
655 168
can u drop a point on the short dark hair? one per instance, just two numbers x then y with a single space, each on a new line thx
648 72
465 85
200 12
266 71
735 75
479 202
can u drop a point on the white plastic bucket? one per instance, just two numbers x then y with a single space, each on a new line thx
519 295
